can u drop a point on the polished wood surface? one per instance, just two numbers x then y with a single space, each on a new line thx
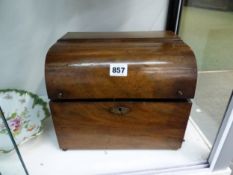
147 109
119 36
160 66
120 125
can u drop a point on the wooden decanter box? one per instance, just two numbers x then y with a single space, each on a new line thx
126 90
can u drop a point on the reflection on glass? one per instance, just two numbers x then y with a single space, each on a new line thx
208 28
9 161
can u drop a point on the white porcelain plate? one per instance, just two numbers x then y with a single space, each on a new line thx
25 113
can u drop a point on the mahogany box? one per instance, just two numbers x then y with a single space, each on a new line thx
120 90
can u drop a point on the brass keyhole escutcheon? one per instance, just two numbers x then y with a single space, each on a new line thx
120 110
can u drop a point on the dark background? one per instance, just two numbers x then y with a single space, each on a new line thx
224 5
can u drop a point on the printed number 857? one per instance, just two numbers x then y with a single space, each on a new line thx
118 69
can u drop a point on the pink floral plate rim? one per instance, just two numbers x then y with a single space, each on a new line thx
21 123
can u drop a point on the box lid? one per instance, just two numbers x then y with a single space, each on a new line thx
153 65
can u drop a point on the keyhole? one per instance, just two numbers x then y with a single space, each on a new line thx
119 110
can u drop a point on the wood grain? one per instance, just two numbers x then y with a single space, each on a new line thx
147 109
94 125
118 36
77 66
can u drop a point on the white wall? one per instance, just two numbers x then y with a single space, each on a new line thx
29 27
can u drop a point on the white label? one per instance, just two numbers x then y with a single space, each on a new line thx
118 69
